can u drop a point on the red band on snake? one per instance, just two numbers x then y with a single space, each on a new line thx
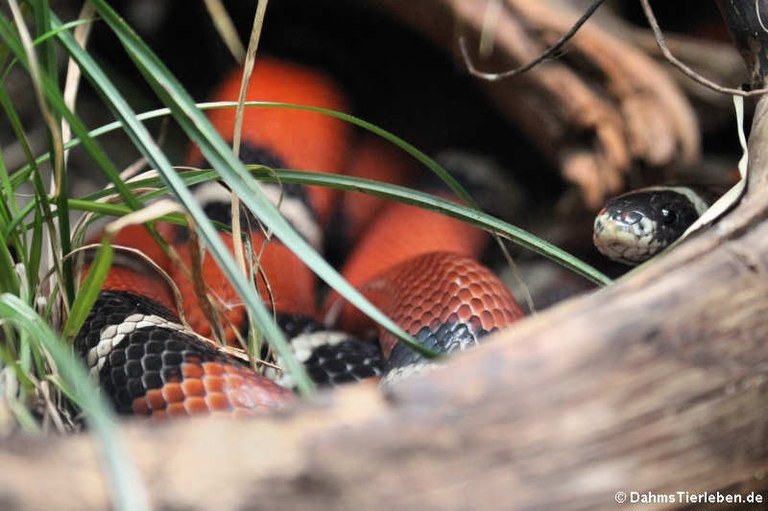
419 267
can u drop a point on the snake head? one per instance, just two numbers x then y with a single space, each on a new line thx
633 227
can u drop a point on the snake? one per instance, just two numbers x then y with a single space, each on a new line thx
155 355
634 227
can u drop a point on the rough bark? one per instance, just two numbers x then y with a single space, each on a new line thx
745 21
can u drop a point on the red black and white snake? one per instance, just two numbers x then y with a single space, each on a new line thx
418 267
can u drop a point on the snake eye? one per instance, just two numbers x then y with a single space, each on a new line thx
668 216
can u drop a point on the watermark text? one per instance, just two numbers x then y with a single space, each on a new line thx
685 497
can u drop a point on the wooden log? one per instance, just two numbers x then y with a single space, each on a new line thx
654 385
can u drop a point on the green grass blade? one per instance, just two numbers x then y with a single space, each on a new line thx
375 188
89 290
9 282
408 196
45 49
443 206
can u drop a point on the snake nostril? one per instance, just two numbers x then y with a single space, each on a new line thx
630 217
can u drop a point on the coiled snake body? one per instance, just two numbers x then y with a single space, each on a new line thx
418 267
